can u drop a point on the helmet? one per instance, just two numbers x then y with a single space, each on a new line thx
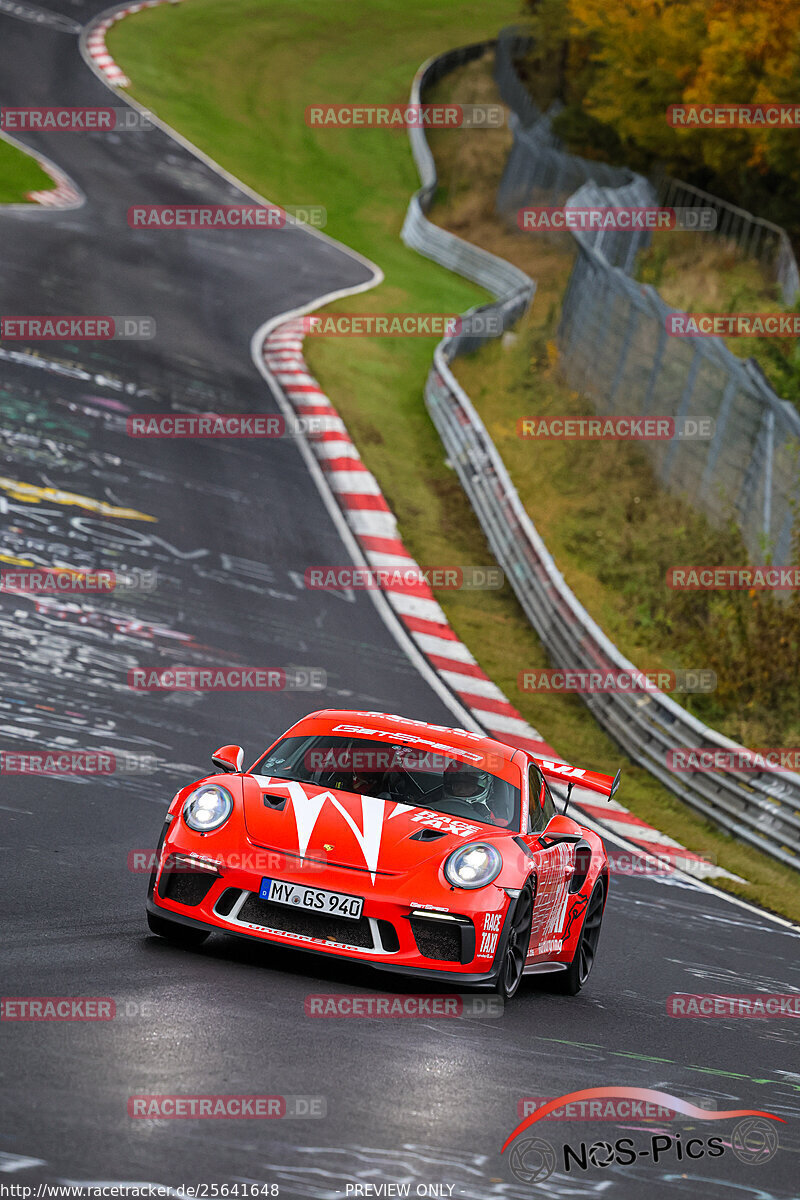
467 784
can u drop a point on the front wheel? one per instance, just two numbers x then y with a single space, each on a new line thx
516 948
570 982
179 935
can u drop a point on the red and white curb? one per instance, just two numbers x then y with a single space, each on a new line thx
63 195
96 42
375 529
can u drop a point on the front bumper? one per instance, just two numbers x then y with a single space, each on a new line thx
468 979
392 935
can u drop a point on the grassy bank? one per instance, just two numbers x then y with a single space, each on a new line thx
20 174
237 85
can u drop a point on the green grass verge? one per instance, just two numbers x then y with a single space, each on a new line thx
20 174
236 81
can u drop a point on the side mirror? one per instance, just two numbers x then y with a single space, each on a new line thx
229 759
560 829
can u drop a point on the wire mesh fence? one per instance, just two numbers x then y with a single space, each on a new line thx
760 807
616 350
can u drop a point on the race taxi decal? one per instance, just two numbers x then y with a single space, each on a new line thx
447 824
489 934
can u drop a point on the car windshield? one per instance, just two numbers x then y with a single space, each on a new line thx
407 774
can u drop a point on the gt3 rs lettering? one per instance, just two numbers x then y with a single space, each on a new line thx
299 937
564 769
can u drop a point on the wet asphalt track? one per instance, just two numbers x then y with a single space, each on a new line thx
417 1102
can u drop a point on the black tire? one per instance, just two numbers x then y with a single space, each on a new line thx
570 982
516 946
179 935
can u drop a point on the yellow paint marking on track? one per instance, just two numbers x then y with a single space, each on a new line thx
29 493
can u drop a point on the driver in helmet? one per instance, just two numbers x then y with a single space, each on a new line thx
369 783
466 791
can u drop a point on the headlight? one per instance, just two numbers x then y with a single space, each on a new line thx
473 866
207 808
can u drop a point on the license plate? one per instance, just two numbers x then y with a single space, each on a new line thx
334 904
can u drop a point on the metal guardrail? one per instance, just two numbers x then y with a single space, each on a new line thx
513 288
762 808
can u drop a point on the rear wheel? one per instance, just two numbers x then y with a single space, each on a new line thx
516 948
179 935
570 982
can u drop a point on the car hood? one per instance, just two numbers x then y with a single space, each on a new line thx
345 829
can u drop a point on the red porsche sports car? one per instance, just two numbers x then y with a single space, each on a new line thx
408 846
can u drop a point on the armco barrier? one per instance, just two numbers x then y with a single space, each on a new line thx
761 808
513 288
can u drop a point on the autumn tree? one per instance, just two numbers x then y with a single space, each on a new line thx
625 62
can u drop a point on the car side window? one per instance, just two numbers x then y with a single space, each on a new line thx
542 806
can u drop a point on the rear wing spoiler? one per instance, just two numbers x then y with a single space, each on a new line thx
579 777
